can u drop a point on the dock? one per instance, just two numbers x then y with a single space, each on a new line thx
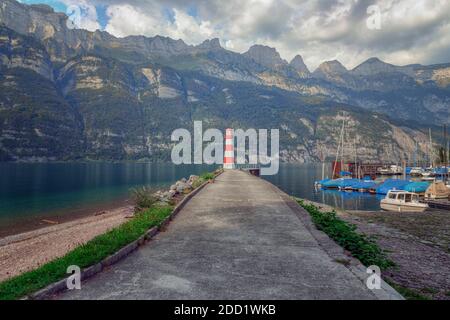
439 204
238 238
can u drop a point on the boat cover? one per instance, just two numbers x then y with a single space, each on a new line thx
438 190
417 187
392 184
322 181
366 185
340 183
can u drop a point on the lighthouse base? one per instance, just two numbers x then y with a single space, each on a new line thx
229 166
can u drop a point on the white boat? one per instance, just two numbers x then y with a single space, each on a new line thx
391 170
426 174
402 201
396 170
417 171
384 171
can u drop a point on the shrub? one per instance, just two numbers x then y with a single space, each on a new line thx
207 176
143 198
197 183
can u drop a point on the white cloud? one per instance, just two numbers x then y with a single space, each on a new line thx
319 30
129 20
85 16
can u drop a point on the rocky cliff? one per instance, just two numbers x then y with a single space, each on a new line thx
73 94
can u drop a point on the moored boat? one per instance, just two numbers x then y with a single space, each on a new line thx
364 186
333 184
437 190
416 172
320 183
418 187
403 201
391 184
391 170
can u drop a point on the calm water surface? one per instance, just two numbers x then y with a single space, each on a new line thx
42 190
298 180
38 190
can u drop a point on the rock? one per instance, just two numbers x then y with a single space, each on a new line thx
172 193
299 66
173 187
330 70
192 179
183 187
210 45
265 56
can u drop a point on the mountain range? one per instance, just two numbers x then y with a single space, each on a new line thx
71 94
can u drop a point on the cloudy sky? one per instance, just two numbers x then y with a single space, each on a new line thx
397 31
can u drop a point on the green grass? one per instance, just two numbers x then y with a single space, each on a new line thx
207 176
203 178
408 294
430 290
359 245
84 256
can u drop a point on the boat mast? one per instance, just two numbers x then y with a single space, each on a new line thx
356 158
430 150
445 146
415 155
343 144
338 148
322 158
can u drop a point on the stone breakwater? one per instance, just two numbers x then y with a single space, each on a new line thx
181 188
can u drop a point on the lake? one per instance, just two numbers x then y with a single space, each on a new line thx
298 180
40 190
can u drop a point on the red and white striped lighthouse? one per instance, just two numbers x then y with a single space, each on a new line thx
228 160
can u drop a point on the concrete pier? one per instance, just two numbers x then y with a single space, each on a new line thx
238 238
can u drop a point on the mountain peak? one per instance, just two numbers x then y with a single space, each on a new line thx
266 56
331 70
373 66
210 44
299 65
44 8
332 67
373 60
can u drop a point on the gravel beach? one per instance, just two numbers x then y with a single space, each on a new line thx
27 251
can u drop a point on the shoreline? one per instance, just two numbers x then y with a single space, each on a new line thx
39 221
26 251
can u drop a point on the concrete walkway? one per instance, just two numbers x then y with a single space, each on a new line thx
239 238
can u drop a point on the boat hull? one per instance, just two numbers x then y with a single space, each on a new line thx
389 206
436 197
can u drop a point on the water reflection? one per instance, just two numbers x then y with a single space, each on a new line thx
298 180
29 189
